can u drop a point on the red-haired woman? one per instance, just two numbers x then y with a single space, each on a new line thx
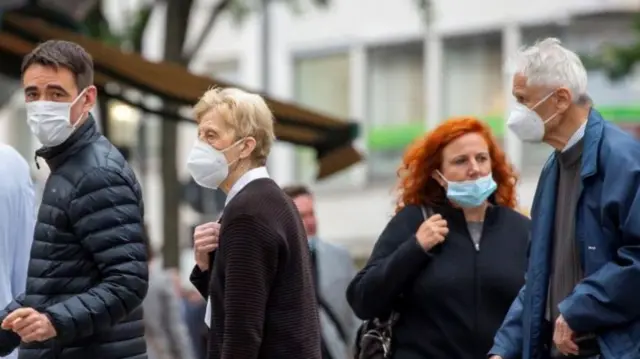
452 277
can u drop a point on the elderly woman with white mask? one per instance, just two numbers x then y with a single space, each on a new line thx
583 281
261 299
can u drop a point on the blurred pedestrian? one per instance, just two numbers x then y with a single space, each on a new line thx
260 291
581 297
17 220
88 271
452 259
165 330
333 270
193 305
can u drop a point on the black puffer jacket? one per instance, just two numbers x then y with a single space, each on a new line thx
88 270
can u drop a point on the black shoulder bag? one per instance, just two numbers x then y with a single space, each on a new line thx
374 336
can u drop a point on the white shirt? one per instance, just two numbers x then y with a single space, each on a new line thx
242 182
250 176
576 137
17 222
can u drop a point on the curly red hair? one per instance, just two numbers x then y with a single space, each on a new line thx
416 185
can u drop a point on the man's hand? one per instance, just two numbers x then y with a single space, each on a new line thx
563 337
205 239
30 325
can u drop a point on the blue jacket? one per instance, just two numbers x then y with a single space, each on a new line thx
608 234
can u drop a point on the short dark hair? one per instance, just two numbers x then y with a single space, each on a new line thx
66 54
296 191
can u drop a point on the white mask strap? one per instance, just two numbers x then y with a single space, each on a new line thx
543 100
73 103
232 145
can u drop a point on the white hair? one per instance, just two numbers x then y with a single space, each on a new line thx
548 63
246 113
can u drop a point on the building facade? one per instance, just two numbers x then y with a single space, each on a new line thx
377 62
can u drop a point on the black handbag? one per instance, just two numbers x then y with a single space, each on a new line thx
374 336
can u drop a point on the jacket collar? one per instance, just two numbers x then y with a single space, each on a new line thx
592 138
57 155
456 214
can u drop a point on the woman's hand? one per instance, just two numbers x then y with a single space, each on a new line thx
433 231
205 241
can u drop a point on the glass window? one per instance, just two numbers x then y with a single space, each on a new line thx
322 84
395 106
473 80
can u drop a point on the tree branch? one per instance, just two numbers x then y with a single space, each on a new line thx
215 13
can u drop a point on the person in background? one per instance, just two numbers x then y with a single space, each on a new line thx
452 259
333 270
88 268
193 305
17 221
583 281
165 330
261 299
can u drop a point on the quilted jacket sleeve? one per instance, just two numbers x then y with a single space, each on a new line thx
107 216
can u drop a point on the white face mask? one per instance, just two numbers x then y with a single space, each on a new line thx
207 165
526 123
50 121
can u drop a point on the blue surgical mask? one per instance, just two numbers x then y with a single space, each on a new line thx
470 193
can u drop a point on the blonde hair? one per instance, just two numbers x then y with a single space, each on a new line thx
246 113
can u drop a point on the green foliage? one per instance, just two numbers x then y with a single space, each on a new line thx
615 60
130 38
135 31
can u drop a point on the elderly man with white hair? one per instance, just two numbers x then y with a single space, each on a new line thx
253 265
581 298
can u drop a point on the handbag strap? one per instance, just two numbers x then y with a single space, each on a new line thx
426 212
393 318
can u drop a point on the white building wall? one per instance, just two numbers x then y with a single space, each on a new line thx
352 214
355 215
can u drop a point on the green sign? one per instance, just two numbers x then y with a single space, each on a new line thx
394 137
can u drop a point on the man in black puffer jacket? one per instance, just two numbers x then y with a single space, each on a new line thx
88 270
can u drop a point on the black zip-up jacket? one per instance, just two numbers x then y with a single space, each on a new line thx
88 270
451 299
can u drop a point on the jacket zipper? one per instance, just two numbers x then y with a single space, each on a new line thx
476 283
476 290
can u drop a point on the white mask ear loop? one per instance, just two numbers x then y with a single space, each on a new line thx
442 177
541 101
74 125
230 147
